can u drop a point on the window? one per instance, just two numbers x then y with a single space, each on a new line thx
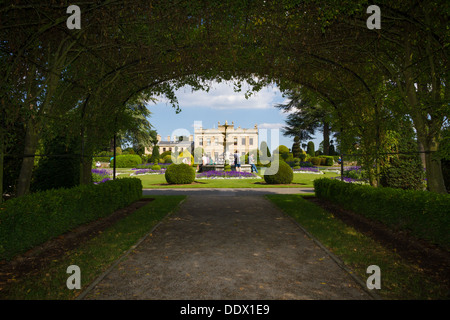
235 141
164 149
200 141
250 141
243 141
208 141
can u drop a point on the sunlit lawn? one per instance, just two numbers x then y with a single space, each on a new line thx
304 180
400 279
93 256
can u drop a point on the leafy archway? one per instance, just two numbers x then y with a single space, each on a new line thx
129 50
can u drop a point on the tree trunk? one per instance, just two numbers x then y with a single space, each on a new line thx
86 174
26 170
423 125
422 154
435 178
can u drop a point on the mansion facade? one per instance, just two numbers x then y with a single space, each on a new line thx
178 144
225 140
216 143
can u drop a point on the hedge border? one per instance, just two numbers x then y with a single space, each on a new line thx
426 215
33 219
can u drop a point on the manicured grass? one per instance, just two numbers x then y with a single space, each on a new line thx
94 256
300 180
399 279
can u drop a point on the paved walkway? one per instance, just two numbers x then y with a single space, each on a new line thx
224 245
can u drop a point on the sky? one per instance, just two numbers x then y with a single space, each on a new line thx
222 104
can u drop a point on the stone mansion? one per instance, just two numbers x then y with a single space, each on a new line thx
226 138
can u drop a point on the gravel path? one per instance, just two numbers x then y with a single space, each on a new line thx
219 247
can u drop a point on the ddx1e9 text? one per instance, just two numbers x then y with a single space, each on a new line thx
246 309
235 309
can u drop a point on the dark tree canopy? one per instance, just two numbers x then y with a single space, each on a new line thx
134 50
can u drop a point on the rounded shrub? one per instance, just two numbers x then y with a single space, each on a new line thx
127 161
279 173
167 159
155 167
180 174
227 167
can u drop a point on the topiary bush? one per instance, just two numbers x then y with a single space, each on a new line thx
180 174
311 149
167 159
315 161
327 160
279 173
127 161
155 167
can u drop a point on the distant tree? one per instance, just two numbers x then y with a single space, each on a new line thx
310 149
155 155
296 150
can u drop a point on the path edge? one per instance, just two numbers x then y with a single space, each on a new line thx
94 283
336 259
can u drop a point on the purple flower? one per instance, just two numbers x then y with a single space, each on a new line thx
104 180
352 168
347 179
142 171
225 174
101 172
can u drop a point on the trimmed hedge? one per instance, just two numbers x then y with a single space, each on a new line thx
284 174
127 161
326 160
426 215
179 174
315 161
33 219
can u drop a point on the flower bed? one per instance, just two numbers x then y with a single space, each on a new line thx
147 171
150 165
307 170
101 175
350 180
226 175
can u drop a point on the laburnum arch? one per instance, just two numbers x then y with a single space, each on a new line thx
134 50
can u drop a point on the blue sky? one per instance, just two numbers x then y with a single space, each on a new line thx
219 104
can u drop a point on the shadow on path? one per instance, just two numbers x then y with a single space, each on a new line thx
225 248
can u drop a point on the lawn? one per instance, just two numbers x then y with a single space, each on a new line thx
304 180
399 278
94 256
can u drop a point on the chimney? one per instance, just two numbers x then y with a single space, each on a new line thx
158 137
191 138
168 138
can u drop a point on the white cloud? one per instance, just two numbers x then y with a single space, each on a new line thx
271 125
222 96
